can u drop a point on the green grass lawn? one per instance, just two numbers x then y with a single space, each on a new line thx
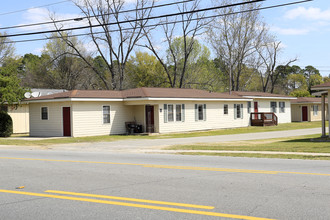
292 144
308 144
279 156
280 127
107 138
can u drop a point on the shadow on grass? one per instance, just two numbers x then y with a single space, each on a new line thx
308 140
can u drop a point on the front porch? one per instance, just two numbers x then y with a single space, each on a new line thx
263 119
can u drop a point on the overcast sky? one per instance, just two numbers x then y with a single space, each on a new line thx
303 29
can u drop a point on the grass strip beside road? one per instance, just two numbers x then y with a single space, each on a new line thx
257 155
110 138
301 144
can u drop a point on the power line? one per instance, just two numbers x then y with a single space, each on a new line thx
134 20
164 23
55 3
81 18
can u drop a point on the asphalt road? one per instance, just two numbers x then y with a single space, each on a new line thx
151 186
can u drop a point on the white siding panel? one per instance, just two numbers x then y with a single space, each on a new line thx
295 113
87 118
53 126
20 117
215 119
264 106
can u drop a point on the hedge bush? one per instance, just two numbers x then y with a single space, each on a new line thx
6 125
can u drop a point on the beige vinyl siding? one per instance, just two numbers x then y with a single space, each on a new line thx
295 113
264 106
54 125
20 117
87 118
215 119
138 112
318 116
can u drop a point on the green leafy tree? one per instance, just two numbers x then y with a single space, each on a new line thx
144 70
300 93
64 69
190 68
11 93
313 77
6 124
326 79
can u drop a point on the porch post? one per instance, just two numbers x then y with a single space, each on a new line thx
323 115
328 111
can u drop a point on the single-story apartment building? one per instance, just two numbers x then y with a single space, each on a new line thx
268 102
307 109
160 110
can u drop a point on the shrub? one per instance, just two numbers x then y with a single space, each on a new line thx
6 125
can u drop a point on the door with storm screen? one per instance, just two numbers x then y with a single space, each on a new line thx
150 121
66 121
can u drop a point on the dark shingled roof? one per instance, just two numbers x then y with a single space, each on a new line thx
175 93
82 94
327 84
140 93
308 100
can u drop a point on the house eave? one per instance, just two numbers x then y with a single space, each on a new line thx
320 88
279 98
75 100
185 99
133 99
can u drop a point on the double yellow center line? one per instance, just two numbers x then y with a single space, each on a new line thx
173 167
163 208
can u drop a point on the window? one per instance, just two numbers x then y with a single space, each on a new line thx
315 109
200 112
170 113
282 107
249 107
44 113
106 114
178 112
273 106
174 114
225 109
238 111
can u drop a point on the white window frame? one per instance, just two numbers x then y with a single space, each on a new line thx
166 113
241 108
47 113
176 112
315 110
105 123
225 106
273 108
281 107
198 113
249 104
